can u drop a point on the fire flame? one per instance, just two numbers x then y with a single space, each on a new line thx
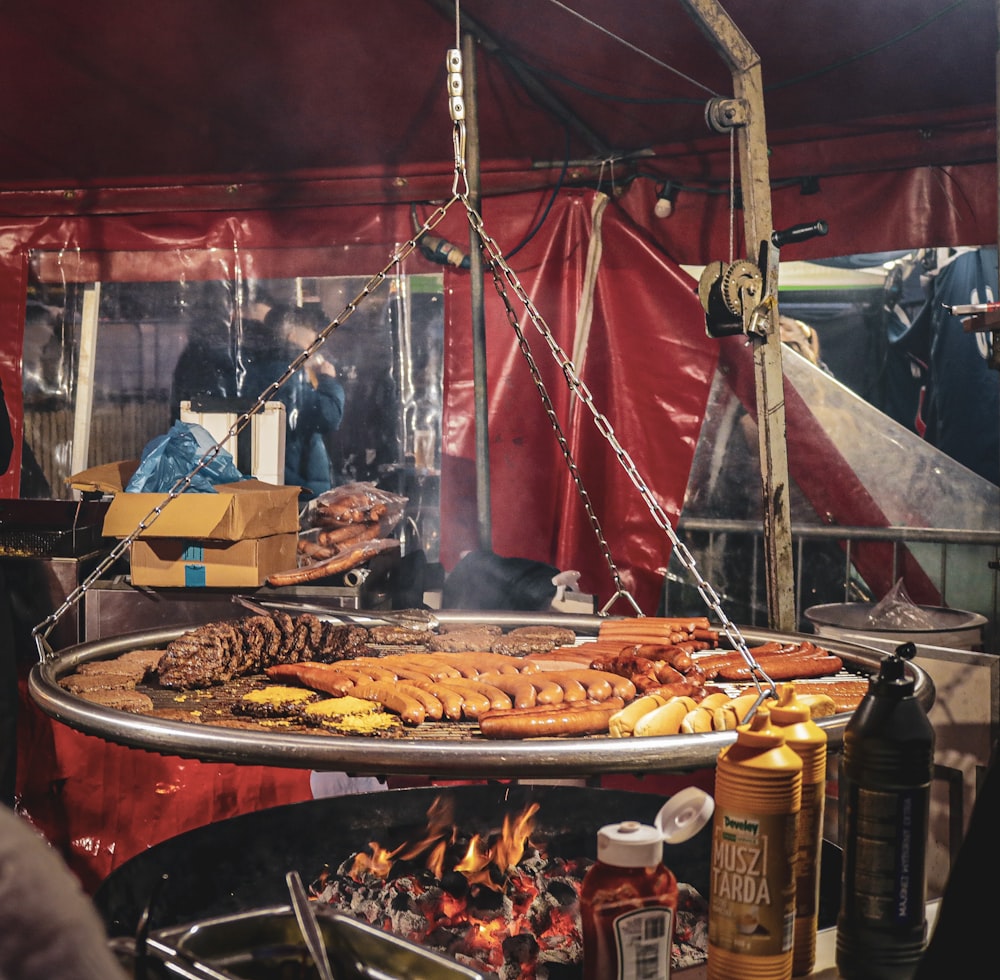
483 863
504 897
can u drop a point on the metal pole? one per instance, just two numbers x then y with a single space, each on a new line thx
476 286
83 414
751 137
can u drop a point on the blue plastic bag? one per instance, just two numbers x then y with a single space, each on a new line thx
167 459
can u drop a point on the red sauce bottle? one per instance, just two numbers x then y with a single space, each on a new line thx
628 900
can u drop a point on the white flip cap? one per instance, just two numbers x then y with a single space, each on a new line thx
631 844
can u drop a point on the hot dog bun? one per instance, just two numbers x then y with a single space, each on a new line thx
622 723
666 719
820 705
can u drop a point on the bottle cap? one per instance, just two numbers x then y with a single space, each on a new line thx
684 814
631 844
892 677
789 710
758 733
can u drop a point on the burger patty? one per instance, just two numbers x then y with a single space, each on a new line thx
532 639
134 702
218 652
464 640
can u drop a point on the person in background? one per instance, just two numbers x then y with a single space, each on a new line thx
205 368
313 397
44 388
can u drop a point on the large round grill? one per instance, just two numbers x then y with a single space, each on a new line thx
451 749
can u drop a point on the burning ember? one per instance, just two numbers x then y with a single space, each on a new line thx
499 903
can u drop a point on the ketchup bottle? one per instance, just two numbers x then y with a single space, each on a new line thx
628 900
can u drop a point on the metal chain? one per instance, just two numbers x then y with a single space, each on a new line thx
42 630
579 388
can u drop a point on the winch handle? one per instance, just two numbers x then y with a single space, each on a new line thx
799 233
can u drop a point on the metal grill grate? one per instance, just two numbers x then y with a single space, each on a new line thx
50 528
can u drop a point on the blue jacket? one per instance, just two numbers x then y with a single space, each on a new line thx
310 415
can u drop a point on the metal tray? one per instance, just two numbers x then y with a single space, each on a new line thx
267 942
452 751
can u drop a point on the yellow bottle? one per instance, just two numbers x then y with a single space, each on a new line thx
793 717
751 908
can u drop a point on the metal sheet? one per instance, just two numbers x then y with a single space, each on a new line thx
463 754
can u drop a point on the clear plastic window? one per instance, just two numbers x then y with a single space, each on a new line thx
107 366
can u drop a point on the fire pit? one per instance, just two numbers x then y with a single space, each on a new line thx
240 864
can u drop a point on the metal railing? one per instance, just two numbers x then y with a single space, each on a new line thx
714 541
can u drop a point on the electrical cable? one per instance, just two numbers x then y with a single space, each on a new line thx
548 207
632 47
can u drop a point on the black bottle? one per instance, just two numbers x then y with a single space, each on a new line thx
886 772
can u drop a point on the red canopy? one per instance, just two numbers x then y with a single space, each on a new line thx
233 107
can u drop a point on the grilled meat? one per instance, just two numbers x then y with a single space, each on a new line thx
217 652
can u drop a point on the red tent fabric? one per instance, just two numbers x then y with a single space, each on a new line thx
646 366
137 135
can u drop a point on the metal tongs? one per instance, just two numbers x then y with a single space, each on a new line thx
414 619
311 931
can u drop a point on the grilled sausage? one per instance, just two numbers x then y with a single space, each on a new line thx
786 668
547 721
388 694
433 706
452 703
343 561
487 662
520 689
546 691
474 703
497 697
316 676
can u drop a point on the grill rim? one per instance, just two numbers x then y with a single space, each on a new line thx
463 757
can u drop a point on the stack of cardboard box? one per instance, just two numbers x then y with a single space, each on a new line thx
233 538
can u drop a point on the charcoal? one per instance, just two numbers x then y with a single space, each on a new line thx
522 948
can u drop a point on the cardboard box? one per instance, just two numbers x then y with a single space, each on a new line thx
248 509
199 563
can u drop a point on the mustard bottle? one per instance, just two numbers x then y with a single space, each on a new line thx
751 906
793 718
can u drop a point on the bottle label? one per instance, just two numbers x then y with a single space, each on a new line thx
752 903
888 854
810 841
643 941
